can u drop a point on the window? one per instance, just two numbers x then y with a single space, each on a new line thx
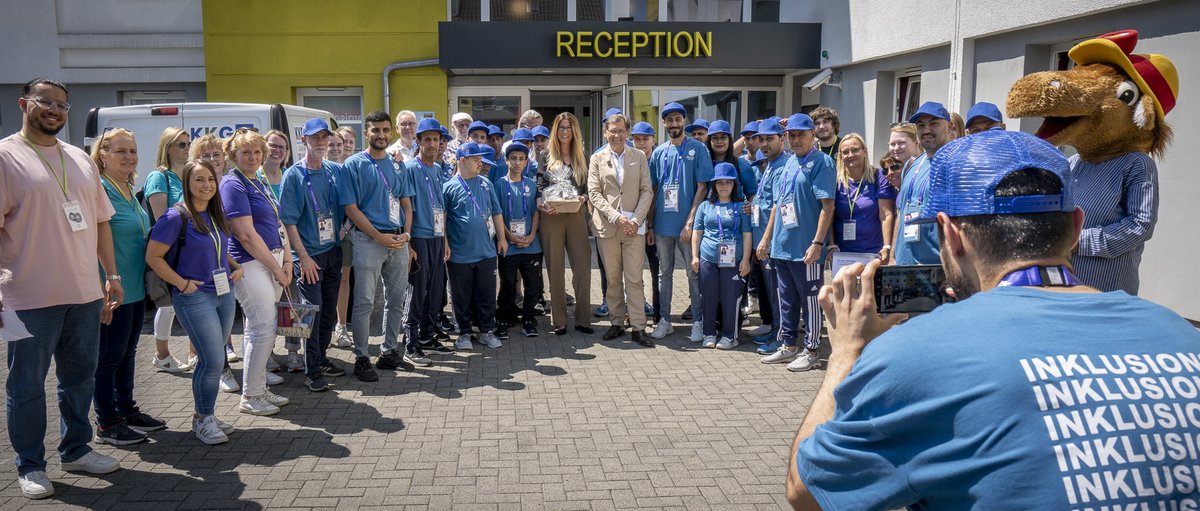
464 10
643 107
150 97
760 104
766 11
704 10
1059 60
633 10
528 10
344 103
503 111
709 105
736 106
908 96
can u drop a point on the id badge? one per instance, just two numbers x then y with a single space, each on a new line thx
849 231
517 227
393 210
221 282
671 198
491 228
787 211
754 221
439 222
912 232
74 216
325 228
726 253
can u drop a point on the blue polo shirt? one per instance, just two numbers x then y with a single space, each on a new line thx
368 182
764 196
468 202
306 194
519 201
685 165
722 223
164 181
804 182
919 244
242 196
426 184
747 178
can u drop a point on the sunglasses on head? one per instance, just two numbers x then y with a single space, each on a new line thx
903 124
183 145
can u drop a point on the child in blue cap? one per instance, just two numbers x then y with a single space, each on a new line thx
720 237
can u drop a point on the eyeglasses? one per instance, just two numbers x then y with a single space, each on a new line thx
276 147
50 104
895 166
564 128
407 124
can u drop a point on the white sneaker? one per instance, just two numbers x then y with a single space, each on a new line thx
192 362
230 355
275 399
295 363
92 463
490 340
760 330
208 430
807 360
168 365
710 341
463 343
781 356
662 329
257 406
35 485
727 344
274 379
697 332
272 364
229 384
751 305
225 428
341 336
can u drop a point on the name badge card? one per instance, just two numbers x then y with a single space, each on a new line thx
439 222
849 231
74 215
517 227
754 215
491 228
726 253
787 211
671 198
221 282
325 228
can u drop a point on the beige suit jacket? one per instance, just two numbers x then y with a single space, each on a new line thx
609 199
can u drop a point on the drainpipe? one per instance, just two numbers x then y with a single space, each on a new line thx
387 96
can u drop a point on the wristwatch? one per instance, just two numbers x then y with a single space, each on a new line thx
113 278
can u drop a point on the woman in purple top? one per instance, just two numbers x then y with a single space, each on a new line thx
260 244
865 209
201 277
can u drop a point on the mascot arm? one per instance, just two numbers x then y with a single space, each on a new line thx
1140 214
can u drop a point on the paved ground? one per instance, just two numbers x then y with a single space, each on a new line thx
568 422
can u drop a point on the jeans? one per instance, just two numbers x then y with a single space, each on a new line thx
428 289
667 246
722 287
70 334
207 319
372 261
323 294
798 286
257 293
473 283
115 363
530 268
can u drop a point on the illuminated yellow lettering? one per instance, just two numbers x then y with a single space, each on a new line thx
675 44
581 44
607 53
565 39
640 40
703 44
618 43
658 37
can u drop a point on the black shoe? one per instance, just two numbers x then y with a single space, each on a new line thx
119 434
585 329
436 346
613 332
444 324
529 328
392 361
501 332
364 370
643 339
540 308
317 384
562 330
328 369
142 422
687 314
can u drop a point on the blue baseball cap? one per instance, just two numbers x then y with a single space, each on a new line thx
673 107
428 124
759 157
445 133
800 122
477 125
494 130
540 130
314 126
930 108
516 146
984 109
964 174
643 128
720 127
750 129
724 170
699 123
609 113
470 149
522 134
775 118
489 154
770 127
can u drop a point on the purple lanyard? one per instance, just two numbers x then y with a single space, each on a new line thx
386 184
470 195
800 169
676 170
513 191
721 228
330 191
1041 276
429 188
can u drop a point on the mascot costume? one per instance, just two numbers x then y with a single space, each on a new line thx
1110 107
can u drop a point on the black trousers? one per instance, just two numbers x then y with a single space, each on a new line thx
324 294
428 288
473 285
530 268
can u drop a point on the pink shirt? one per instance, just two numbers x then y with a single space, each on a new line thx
50 263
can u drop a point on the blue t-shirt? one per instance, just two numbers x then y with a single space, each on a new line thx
1045 400
160 181
868 235
764 194
130 226
250 197
368 183
466 210
803 183
722 223
202 254
426 184
307 194
276 188
919 244
499 171
519 201
682 166
747 178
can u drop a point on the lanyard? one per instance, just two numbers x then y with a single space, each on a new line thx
328 193
266 194
799 169
133 204
62 163
262 176
675 172
513 191
924 185
386 184
857 192
216 237
832 148
434 199
470 195
720 228
1042 276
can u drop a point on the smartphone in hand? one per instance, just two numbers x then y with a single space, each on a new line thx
910 289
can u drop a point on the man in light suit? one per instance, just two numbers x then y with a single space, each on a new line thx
621 196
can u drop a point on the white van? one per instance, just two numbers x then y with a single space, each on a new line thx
148 121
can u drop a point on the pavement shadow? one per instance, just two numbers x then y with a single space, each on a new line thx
138 489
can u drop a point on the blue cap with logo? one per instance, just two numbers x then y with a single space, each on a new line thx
984 109
314 126
643 128
720 127
673 107
770 127
724 170
477 125
494 130
470 149
428 124
523 135
930 108
750 129
540 131
516 146
964 174
609 113
800 122
699 123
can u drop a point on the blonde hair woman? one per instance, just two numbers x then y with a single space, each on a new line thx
211 149
164 188
564 177
865 205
